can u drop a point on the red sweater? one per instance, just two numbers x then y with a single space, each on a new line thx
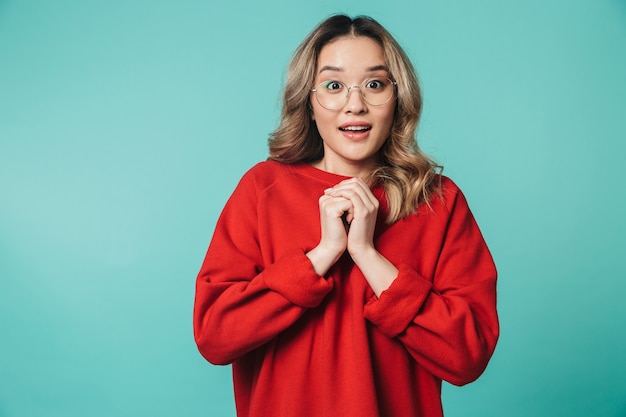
304 345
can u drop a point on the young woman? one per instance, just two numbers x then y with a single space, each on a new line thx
346 277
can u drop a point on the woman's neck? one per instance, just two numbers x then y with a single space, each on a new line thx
346 169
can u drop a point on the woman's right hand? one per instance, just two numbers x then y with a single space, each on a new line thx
334 240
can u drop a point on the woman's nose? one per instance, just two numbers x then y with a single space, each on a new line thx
355 102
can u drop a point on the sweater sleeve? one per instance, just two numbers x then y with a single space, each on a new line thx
449 324
241 303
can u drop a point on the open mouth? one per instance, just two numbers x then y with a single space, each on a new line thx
355 128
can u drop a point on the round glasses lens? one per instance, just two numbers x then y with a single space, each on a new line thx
334 94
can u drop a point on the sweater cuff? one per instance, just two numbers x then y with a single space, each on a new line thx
293 277
398 305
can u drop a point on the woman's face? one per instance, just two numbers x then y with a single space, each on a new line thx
354 133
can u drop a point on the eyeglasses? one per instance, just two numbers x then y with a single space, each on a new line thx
333 95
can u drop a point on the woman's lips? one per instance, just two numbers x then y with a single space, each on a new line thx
355 131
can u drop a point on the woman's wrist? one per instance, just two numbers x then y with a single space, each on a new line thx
377 270
322 258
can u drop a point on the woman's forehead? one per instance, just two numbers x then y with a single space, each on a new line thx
349 54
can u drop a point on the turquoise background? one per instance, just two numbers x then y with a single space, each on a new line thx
125 125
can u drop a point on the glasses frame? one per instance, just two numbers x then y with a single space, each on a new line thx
360 88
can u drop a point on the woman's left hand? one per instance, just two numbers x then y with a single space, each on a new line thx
361 218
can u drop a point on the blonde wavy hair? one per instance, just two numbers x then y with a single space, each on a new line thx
407 174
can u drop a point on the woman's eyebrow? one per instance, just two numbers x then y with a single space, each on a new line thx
330 68
339 69
378 68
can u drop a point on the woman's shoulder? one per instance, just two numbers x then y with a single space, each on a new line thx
451 197
445 195
447 185
267 174
270 170
265 168
262 174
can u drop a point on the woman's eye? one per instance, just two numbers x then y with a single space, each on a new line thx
333 85
374 84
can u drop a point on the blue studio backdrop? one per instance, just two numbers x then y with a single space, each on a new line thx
125 126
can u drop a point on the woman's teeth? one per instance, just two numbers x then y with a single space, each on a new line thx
355 128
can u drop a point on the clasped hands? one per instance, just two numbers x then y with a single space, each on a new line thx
348 213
